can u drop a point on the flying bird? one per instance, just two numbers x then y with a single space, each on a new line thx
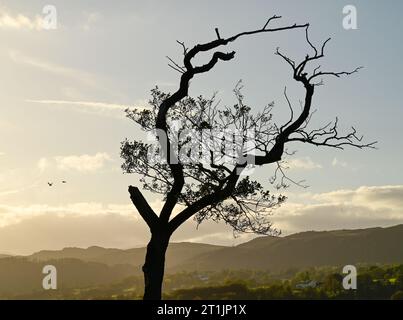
50 184
64 181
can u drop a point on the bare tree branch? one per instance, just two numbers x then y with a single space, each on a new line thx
191 71
146 212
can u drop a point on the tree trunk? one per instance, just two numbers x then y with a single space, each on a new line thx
154 266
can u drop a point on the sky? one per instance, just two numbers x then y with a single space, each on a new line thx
63 92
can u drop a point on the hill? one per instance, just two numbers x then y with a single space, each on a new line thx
306 249
300 250
98 267
177 254
20 275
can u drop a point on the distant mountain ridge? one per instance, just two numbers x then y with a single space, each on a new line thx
177 254
305 249
97 266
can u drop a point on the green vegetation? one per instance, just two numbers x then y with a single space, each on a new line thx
263 268
373 282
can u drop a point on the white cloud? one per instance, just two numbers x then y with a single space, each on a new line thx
92 18
339 163
85 104
222 236
78 75
22 179
359 208
375 196
43 164
95 107
77 78
24 229
15 214
82 163
305 163
18 180
18 190
20 21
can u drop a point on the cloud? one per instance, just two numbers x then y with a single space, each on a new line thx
338 163
357 208
83 163
24 230
18 180
43 164
92 18
223 235
15 214
100 108
85 104
334 216
303 164
75 74
20 21
77 78
23 179
33 228
375 196
18 190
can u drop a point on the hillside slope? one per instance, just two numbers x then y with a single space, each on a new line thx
177 254
340 247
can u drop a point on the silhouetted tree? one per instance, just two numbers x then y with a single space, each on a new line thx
217 189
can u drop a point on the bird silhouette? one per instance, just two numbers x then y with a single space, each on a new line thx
64 181
50 184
